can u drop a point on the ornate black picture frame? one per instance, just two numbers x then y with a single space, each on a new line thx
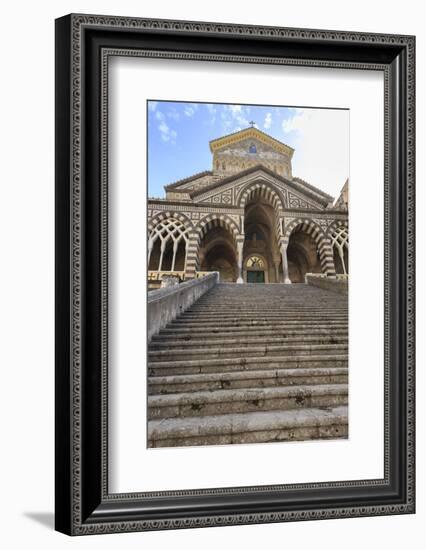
83 45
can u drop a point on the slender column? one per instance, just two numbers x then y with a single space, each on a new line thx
342 259
286 278
240 245
150 247
277 273
175 247
163 247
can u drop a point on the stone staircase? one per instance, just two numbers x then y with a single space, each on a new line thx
251 363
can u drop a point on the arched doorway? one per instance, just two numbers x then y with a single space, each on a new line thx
256 269
302 255
217 253
261 250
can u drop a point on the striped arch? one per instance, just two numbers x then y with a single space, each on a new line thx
161 216
217 220
262 190
271 195
322 241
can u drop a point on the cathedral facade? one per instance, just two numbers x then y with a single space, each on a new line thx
249 218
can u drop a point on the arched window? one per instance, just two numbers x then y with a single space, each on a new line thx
170 234
340 242
252 148
255 262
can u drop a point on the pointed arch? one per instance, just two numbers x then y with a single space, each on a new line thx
270 194
169 236
337 224
217 220
161 216
323 243
263 190
338 234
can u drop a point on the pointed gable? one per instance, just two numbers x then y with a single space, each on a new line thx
247 148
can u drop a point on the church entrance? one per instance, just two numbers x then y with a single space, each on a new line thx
255 276
255 268
260 244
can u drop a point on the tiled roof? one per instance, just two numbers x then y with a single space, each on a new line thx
313 188
187 180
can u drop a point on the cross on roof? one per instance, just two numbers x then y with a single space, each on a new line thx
252 123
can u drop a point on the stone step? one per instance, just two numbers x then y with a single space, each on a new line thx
250 351
246 379
270 319
305 302
205 403
235 364
269 311
241 342
252 324
249 332
253 427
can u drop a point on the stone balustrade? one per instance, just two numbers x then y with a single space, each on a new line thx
165 304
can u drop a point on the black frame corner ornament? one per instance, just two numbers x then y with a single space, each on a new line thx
83 45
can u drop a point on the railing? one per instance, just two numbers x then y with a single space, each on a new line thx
199 274
165 304
158 275
339 276
154 276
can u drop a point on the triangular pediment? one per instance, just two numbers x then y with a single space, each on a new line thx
229 190
231 141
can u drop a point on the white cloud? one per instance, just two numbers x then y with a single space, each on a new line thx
166 133
173 114
268 121
152 105
320 138
189 110
212 112
235 117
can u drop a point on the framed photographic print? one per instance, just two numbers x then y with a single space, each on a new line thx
224 356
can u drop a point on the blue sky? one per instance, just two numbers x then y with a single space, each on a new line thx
179 135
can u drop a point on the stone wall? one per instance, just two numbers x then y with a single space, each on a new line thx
165 304
335 285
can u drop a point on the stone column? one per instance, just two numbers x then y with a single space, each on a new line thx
163 248
342 258
327 260
286 279
175 247
240 245
191 255
277 269
150 247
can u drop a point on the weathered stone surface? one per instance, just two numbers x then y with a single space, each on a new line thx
259 427
341 286
165 304
224 364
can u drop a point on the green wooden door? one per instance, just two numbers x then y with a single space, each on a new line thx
255 276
